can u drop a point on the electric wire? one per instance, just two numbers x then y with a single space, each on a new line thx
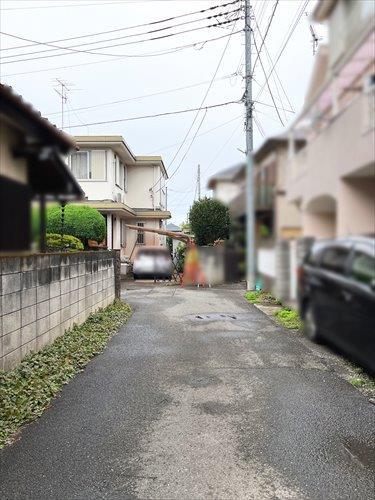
265 35
129 99
289 34
74 52
151 23
119 57
276 73
198 111
164 148
178 112
267 80
72 48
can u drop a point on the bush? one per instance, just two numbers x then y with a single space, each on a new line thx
66 243
209 221
81 221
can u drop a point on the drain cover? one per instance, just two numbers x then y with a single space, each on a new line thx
214 317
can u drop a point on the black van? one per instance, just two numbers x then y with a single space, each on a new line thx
337 296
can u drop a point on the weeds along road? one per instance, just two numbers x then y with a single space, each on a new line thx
199 396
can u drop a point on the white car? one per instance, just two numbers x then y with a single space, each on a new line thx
153 263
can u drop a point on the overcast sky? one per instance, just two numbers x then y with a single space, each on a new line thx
119 79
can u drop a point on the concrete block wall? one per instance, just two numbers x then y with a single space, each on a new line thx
42 296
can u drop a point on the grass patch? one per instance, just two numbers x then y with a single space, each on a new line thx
26 391
289 318
262 298
362 380
357 382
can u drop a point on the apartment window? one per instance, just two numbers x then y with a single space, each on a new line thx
141 234
89 165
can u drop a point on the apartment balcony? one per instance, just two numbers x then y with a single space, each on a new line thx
343 149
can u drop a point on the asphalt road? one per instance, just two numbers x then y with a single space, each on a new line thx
199 396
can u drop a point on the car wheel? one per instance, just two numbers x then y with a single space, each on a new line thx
311 329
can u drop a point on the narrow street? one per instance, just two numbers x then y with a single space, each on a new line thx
199 396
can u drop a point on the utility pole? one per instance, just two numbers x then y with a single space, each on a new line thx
250 223
199 182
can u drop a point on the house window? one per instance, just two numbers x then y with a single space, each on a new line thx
89 165
141 234
79 164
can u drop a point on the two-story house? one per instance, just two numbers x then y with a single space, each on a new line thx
332 178
125 188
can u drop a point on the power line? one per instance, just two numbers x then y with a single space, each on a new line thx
276 73
161 92
272 106
202 11
101 4
163 148
113 45
266 33
268 85
289 34
157 114
72 47
119 57
218 153
198 110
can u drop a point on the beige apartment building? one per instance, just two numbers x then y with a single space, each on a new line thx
125 188
332 178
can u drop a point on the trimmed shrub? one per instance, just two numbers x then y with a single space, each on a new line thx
209 221
66 243
81 221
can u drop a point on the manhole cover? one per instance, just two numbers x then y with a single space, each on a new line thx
214 317
202 317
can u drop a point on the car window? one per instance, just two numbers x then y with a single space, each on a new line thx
363 268
313 257
334 259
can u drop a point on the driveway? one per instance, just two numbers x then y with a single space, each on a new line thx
199 396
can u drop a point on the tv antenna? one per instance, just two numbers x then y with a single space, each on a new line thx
315 39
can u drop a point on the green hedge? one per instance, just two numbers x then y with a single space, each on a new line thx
66 243
81 221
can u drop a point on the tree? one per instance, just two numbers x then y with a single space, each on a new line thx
81 221
209 221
